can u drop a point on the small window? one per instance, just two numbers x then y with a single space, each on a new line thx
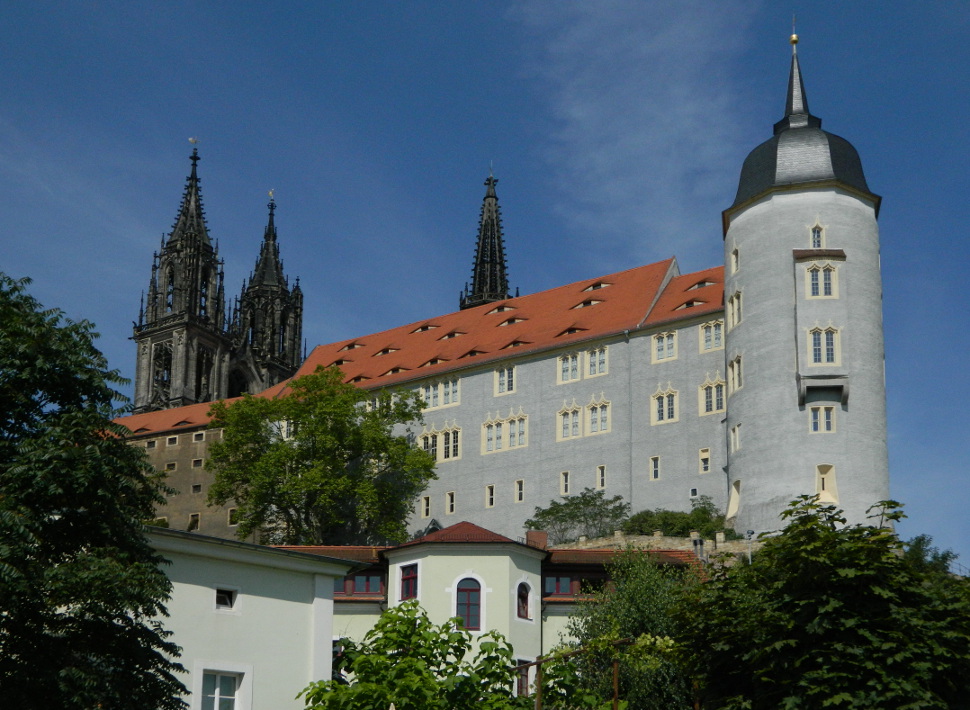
523 605
822 420
172 441
409 582
564 483
469 604
170 466
426 507
654 468
734 313
450 503
196 487
196 463
519 491
198 436
489 496
735 260
817 239
735 437
505 380
151 444
194 520
219 691
704 463
225 598
558 585
664 347
601 476
232 517
735 376
693 492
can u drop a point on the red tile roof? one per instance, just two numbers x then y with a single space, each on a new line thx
460 532
193 415
568 315
604 556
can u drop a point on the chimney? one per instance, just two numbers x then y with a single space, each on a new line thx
537 538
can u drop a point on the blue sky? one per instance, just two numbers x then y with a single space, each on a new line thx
616 129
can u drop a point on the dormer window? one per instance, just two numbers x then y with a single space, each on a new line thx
515 344
701 284
511 321
359 378
340 362
689 304
500 309
452 334
386 351
351 346
433 361
572 330
597 286
587 303
424 328
396 371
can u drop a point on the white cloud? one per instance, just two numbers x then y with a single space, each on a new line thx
645 131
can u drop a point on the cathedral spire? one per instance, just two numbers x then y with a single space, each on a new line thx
269 268
489 272
797 114
191 217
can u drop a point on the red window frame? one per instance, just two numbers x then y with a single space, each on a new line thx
469 604
523 601
409 582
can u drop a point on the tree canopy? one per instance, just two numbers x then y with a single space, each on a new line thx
81 590
326 464
589 514
830 615
704 517
411 662
637 606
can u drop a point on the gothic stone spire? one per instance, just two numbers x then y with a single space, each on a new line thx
489 272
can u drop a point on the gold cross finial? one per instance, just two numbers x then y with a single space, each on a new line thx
271 191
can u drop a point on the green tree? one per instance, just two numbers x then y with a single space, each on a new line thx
830 615
637 606
322 465
409 661
590 513
704 517
80 587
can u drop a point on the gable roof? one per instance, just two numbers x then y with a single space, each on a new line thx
165 420
460 532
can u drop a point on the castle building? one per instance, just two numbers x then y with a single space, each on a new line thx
190 347
732 382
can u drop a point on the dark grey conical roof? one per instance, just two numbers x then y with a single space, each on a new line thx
800 151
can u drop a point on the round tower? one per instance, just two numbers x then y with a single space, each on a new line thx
806 410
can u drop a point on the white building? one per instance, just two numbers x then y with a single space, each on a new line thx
255 623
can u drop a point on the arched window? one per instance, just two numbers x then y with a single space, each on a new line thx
469 606
522 601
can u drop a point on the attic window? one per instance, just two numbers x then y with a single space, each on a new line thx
351 346
341 361
183 423
396 371
588 302
386 351
515 344
433 361
452 334
572 330
597 286
689 304
701 284
511 321
139 431
359 378
424 328
472 353
500 309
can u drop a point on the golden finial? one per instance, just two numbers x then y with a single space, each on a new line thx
193 141
794 37
271 191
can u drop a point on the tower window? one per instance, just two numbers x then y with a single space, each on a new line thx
734 310
469 604
704 461
601 477
490 496
818 237
654 468
822 282
735 377
822 420
824 346
426 507
519 491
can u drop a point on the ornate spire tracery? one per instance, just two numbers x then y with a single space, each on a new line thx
489 271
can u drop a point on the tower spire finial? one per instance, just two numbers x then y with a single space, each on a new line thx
797 114
489 278
794 37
